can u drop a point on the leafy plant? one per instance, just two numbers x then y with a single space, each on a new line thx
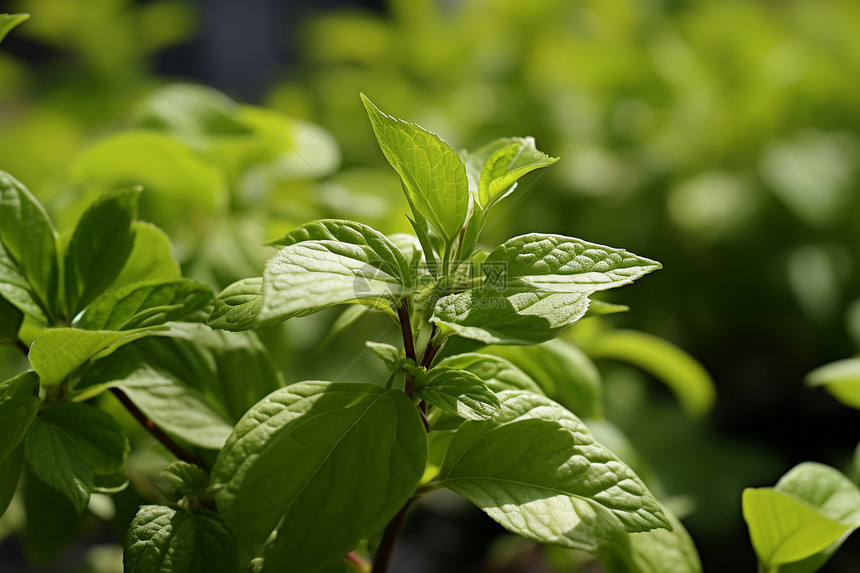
297 477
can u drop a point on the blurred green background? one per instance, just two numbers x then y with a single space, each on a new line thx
720 138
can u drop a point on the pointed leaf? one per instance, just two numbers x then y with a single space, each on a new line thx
513 158
9 21
150 257
98 437
186 480
148 303
10 475
785 529
432 172
60 351
460 393
19 402
537 471
163 539
100 246
238 305
29 240
16 290
331 463
55 458
389 354
563 264
493 317
655 551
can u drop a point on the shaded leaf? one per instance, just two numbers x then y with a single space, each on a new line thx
10 475
458 392
19 402
97 436
150 257
55 458
497 373
9 21
840 378
331 463
16 290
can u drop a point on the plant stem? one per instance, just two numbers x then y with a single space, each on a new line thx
157 432
408 343
22 347
431 350
386 547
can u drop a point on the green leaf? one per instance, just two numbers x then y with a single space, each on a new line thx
55 458
60 351
331 463
163 539
389 354
785 529
97 436
29 239
186 480
493 317
311 275
459 392
840 378
52 524
511 158
536 470
9 21
186 382
833 494
150 257
562 371
432 172
655 551
110 483
10 321
563 264
497 373
100 245
148 303
10 475
238 305
15 288
19 402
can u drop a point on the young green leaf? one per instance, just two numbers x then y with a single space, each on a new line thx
510 159
687 379
840 378
459 392
432 172
390 355
331 463
98 438
784 529
494 317
100 245
163 539
10 475
29 239
186 480
192 112
15 288
497 373
562 371
148 303
60 351
563 264
833 494
54 456
19 402
9 21
238 305
150 257
655 551
536 470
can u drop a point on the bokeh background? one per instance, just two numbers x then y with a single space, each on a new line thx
720 138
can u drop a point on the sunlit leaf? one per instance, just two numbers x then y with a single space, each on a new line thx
458 392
